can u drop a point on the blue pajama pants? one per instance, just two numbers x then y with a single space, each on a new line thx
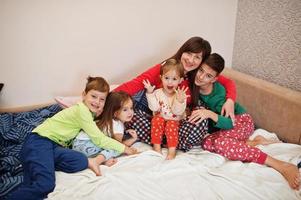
40 158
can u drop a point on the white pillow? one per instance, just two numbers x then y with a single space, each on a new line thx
66 102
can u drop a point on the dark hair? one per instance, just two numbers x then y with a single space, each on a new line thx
114 102
194 45
172 64
215 62
97 83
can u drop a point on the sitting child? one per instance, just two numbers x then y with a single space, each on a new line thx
224 139
117 110
168 104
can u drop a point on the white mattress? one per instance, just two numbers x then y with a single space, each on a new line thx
196 174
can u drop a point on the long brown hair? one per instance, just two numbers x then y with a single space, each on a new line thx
114 102
194 45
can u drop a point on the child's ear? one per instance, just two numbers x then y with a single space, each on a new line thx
181 79
83 94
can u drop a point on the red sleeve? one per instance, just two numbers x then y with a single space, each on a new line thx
135 85
229 86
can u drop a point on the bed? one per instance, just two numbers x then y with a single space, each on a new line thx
199 174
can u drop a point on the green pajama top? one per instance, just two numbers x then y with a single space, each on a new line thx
66 124
215 101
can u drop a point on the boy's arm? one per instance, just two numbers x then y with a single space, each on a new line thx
98 137
135 85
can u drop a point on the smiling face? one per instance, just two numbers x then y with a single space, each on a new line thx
170 81
191 61
205 76
126 112
95 100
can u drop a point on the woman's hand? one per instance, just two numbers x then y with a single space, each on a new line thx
228 110
149 88
133 133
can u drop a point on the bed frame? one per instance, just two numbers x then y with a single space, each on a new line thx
274 108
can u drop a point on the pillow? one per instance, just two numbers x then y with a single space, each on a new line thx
66 102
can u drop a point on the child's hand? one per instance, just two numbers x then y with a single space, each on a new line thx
181 94
149 88
130 150
133 133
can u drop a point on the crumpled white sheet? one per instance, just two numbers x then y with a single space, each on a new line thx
196 174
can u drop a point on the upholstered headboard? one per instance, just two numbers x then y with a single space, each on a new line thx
274 108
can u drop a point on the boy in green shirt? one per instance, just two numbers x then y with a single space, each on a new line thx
44 149
225 139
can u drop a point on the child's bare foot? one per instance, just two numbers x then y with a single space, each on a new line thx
289 171
110 162
157 148
171 154
260 140
94 166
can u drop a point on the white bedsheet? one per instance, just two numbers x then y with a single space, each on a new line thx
196 174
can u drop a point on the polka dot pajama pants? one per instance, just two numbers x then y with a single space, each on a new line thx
189 134
232 143
160 126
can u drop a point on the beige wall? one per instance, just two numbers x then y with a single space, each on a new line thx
268 41
49 47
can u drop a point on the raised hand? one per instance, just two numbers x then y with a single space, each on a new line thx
149 88
181 94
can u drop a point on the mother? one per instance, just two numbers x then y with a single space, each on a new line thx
191 54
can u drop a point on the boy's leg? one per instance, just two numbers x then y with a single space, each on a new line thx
157 131
68 160
243 129
289 171
38 165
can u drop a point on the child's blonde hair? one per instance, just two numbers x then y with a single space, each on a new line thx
97 83
172 64
114 103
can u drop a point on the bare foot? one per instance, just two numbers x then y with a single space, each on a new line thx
260 140
171 154
94 166
289 171
110 162
157 148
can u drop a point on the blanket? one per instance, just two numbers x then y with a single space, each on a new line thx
196 174
14 127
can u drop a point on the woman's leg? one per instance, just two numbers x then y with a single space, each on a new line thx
141 122
38 165
191 134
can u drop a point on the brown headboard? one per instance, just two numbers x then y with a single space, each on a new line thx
274 108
